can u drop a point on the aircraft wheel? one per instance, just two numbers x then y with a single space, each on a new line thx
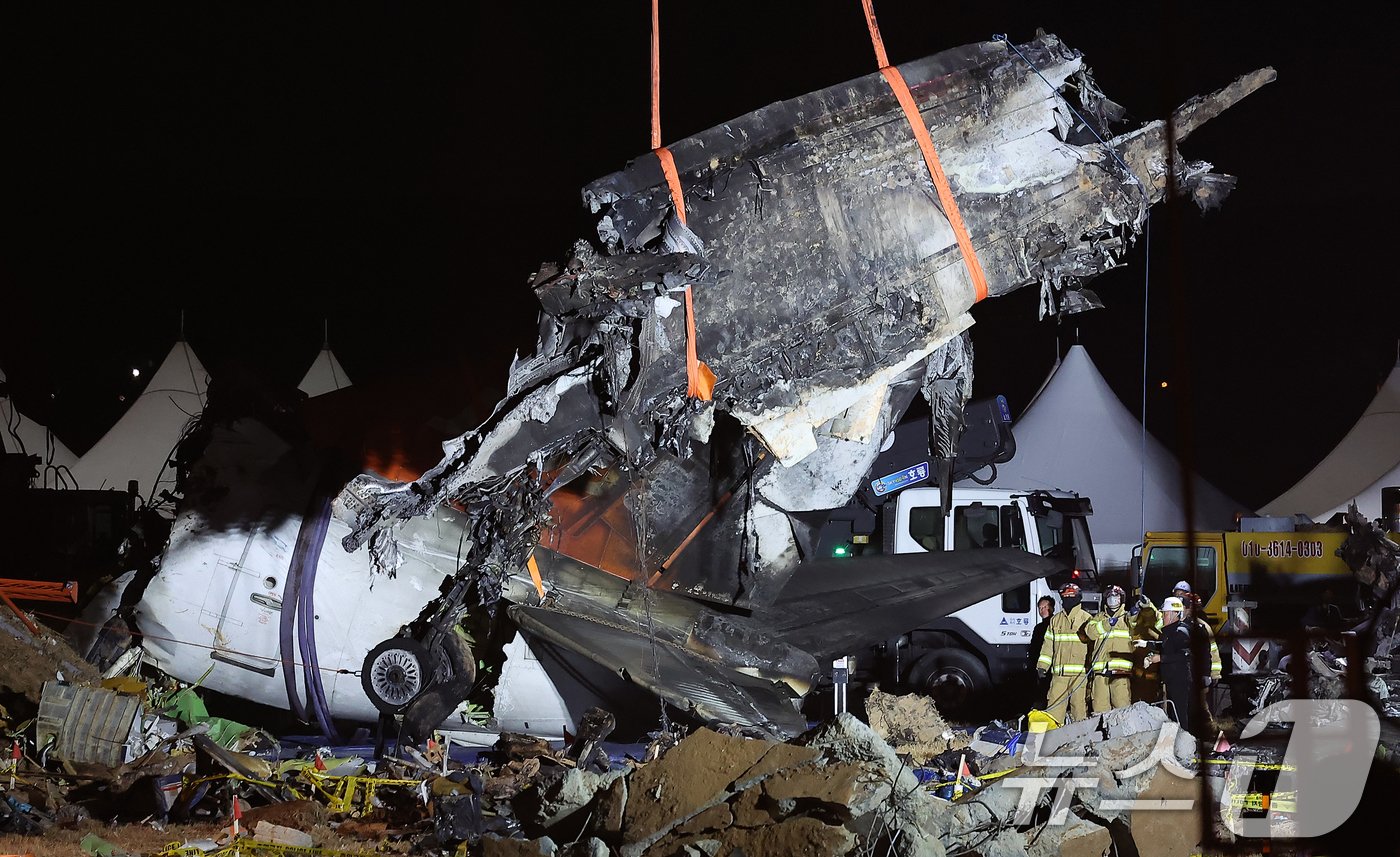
394 672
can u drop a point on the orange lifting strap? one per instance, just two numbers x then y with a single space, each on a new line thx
935 169
700 380
535 575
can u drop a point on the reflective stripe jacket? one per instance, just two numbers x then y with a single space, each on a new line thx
1064 651
1110 639
1214 649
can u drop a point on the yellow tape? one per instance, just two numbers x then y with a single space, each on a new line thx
1245 764
277 849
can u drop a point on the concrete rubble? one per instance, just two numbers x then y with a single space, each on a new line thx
912 725
909 783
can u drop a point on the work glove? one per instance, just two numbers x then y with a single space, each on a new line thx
1042 672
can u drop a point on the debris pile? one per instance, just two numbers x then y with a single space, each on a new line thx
912 725
181 781
841 789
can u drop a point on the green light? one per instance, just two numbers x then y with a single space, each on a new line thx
841 550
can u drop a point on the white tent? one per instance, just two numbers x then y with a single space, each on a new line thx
141 442
1369 450
1077 436
326 375
1368 499
21 434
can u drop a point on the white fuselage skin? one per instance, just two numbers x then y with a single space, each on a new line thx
215 605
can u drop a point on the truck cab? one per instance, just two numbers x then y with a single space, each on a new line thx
1280 571
1256 586
957 658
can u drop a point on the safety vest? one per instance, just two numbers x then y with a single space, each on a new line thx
1214 649
1110 638
1147 625
1064 651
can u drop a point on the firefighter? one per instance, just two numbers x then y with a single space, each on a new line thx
1063 656
1194 614
1206 684
1147 626
1110 637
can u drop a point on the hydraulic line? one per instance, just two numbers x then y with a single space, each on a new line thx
298 605
319 521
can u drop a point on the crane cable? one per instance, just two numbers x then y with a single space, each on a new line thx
935 167
700 379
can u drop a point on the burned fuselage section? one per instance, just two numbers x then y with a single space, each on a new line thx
818 278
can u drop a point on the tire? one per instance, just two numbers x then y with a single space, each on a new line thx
395 672
954 678
453 661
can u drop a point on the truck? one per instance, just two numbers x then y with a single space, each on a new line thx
1282 571
957 658
1255 584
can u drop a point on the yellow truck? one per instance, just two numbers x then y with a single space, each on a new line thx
1256 586
1281 572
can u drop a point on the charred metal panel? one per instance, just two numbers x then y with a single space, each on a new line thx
826 290
824 276
836 606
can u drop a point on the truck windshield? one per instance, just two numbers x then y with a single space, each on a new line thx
1166 564
979 525
1067 537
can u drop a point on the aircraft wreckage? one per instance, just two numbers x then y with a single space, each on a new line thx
703 388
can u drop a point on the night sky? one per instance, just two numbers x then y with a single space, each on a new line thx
400 175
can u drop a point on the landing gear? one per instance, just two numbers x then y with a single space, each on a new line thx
398 670
394 672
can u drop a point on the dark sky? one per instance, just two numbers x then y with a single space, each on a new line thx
400 175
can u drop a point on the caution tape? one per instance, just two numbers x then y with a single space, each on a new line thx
1266 801
341 792
180 849
189 782
252 846
982 779
1247 764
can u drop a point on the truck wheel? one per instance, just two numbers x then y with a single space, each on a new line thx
953 678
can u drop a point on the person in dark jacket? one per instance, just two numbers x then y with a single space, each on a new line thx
1045 608
1175 660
